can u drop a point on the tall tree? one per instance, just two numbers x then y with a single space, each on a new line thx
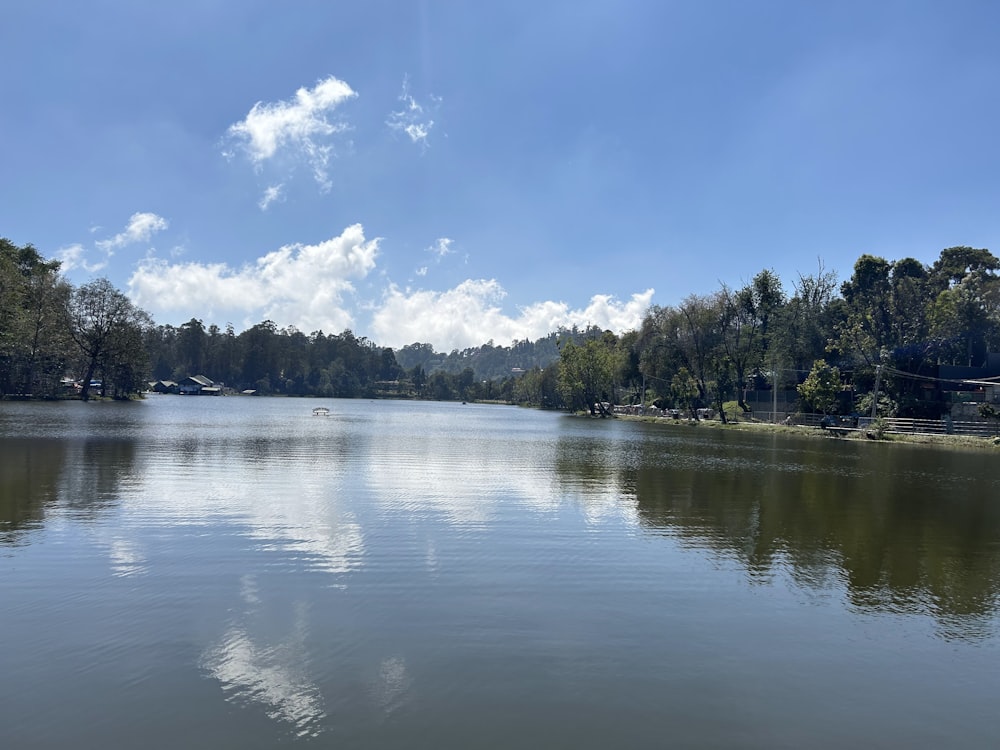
807 322
699 338
955 263
586 375
909 295
867 294
261 368
745 325
965 315
102 323
192 342
33 300
46 325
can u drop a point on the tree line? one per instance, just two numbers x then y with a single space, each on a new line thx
889 321
57 340
881 335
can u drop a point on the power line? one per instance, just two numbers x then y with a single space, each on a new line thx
955 381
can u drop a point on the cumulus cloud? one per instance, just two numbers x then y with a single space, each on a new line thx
312 287
141 227
298 129
414 119
470 314
302 285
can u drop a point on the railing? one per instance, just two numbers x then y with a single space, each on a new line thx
908 426
898 425
903 425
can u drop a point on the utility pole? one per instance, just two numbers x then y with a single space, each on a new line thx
878 380
774 392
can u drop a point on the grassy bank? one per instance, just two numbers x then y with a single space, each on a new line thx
945 441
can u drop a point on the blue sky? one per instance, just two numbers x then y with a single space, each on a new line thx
453 172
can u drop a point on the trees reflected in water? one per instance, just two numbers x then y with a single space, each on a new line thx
40 476
910 531
900 529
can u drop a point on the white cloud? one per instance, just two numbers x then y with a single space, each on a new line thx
141 227
73 257
301 285
297 129
271 195
441 248
312 288
418 132
414 119
470 315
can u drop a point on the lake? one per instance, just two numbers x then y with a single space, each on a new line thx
206 572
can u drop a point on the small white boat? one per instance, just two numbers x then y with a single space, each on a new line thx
321 411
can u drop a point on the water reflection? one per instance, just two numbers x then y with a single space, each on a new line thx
307 683
81 478
29 476
126 555
390 690
432 576
459 475
280 489
276 676
902 530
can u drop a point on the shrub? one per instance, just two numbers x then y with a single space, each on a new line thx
878 428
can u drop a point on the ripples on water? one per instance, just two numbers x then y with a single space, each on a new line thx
236 572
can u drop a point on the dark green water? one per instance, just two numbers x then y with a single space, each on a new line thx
211 573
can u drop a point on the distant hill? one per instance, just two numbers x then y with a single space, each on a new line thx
492 362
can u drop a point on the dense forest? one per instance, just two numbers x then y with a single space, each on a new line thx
883 334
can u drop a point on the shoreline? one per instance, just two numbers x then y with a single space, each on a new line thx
945 441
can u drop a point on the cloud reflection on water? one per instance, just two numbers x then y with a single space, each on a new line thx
464 480
276 677
391 687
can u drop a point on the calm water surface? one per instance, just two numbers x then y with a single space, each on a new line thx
234 572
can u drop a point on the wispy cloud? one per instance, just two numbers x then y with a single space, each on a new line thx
441 248
298 129
141 227
271 195
415 120
470 314
302 285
